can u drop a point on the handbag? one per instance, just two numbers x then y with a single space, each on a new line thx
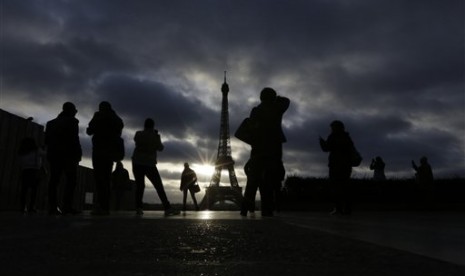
196 188
244 132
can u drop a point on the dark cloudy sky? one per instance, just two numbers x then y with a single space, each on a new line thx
391 70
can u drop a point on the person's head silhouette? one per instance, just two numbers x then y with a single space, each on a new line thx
268 95
424 160
337 126
104 106
149 123
69 109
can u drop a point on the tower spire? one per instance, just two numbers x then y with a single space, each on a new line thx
225 86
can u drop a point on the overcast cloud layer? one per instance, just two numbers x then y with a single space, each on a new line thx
392 71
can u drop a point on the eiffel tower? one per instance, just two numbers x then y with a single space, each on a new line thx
216 193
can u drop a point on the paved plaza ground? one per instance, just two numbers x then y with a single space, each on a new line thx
224 243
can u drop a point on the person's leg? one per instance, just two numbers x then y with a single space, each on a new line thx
346 191
24 190
102 172
184 199
71 182
253 171
56 170
194 200
107 184
154 176
34 185
248 202
266 193
264 175
278 177
139 176
339 178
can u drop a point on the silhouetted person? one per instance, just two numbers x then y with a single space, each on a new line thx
424 173
106 128
64 154
31 161
340 147
425 179
144 160
188 180
377 166
265 168
120 182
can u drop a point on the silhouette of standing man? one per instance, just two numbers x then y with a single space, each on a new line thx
340 147
188 179
144 160
106 128
265 168
63 154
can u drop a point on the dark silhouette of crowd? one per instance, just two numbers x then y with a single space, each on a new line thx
63 151
265 171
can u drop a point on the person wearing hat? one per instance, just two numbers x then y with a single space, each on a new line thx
64 153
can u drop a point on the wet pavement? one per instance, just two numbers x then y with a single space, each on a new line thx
224 243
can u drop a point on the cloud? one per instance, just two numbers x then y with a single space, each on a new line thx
393 71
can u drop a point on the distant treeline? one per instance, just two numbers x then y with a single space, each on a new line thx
307 193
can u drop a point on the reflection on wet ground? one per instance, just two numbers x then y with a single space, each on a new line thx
224 243
438 235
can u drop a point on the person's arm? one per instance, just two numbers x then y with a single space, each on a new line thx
282 103
76 143
160 146
91 128
372 165
324 145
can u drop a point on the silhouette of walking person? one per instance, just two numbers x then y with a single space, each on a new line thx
340 147
188 180
144 160
105 128
265 169
63 154
377 166
31 160
120 182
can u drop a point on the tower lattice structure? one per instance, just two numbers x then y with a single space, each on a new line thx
224 161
